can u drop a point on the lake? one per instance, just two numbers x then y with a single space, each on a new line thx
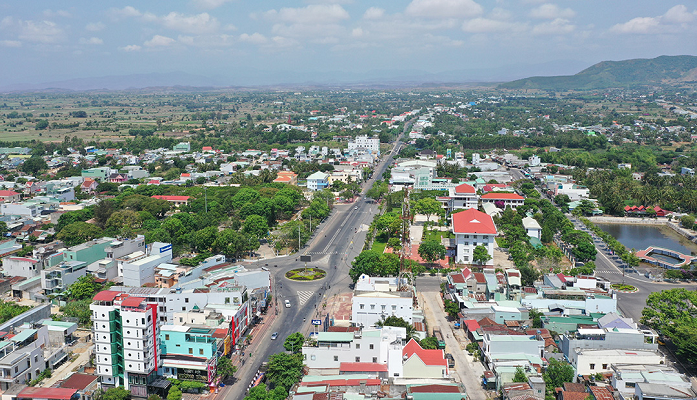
639 237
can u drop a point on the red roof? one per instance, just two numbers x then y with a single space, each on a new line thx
220 333
132 301
31 260
8 193
428 357
465 188
340 382
171 198
472 325
78 381
46 393
206 148
479 277
502 196
362 367
473 221
457 278
601 393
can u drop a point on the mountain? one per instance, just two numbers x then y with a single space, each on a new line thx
618 74
119 82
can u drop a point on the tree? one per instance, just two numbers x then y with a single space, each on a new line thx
399 322
536 317
124 221
431 250
174 393
41 124
33 165
203 239
528 275
284 369
584 251
672 313
116 393
428 206
585 207
102 212
84 288
79 232
108 188
256 225
225 367
154 397
480 254
79 309
294 342
687 221
430 343
452 308
519 375
557 373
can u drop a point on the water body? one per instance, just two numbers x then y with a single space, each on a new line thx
639 237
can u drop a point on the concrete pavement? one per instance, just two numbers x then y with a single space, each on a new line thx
467 372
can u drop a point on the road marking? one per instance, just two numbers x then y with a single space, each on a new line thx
304 296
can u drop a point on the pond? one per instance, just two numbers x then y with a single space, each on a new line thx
639 237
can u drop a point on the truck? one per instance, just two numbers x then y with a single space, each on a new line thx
439 336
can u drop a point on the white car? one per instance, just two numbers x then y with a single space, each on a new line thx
287 303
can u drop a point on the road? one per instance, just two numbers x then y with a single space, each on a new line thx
335 243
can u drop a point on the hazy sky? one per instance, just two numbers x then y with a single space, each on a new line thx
53 40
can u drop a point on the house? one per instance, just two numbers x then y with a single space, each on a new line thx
462 197
588 362
21 266
191 352
532 227
287 177
176 200
9 196
365 143
89 186
473 228
503 200
318 181
369 307
423 364
101 173
118 178
85 384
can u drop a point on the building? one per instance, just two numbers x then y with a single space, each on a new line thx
608 338
101 174
9 196
318 181
532 227
420 363
127 341
369 307
503 200
463 197
21 209
89 186
365 143
190 352
140 270
107 268
663 382
574 191
287 177
473 228
21 266
588 362
507 347
56 279
183 147
177 201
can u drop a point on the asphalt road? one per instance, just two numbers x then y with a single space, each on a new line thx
335 243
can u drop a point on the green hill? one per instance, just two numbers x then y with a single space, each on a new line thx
613 74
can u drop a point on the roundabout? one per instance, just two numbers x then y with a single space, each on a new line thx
624 288
306 274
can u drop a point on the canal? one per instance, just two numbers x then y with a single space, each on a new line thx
639 237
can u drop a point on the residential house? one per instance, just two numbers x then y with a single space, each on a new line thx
177 201
287 177
532 227
317 181
21 266
9 196
463 197
89 186
473 228
423 364
191 352
118 178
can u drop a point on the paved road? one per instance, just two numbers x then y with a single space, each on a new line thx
336 242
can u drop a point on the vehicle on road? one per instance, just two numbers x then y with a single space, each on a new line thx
287 302
274 336
438 335
451 360
355 208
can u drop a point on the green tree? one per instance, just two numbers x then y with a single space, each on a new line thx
79 232
116 393
9 310
673 313
687 221
203 239
256 225
429 342
428 206
41 124
284 370
431 250
225 367
480 255
154 397
84 288
79 309
528 275
294 342
519 375
174 393
399 322
557 373
452 308
33 165
536 317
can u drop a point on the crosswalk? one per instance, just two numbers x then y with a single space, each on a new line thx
321 253
304 296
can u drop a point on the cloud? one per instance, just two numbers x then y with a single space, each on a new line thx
255 38
159 41
130 47
486 25
551 11
57 13
209 4
95 26
312 14
196 24
559 26
444 9
33 31
10 43
126 12
92 40
374 13
675 18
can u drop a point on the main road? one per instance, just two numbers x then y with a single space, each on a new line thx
335 243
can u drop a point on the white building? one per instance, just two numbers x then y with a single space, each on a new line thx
318 181
504 345
368 346
364 142
504 200
27 210
588 362
463 197
107 268
575 192
370 307
141 270
532 227
473 228
21 266
126 337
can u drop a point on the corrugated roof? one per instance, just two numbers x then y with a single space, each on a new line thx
105 295
362 367
46 393
78 381
132 301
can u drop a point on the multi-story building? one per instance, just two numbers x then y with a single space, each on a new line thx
365 142
58 278
317 181
473 228
191 352
503 200
370 307
463 197
127 341
140 270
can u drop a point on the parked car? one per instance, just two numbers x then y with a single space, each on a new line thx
287 303
274 335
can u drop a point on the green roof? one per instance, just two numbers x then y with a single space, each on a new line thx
335 337
24 335
536 243
61 324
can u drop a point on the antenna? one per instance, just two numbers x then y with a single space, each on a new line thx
404 267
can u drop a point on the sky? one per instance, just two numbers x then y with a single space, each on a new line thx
271 41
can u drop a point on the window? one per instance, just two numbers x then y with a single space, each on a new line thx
142 321
227 300
336 358
474 236
372 306
358 345
186 300
394 308
312 357
372 346
383 307
181 319
592 366
191 351
467 236
467 243
358 359
200 352
362 306
604 366
474 244
183 308
166 337
375 359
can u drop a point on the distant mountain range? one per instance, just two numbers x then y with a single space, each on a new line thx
663 70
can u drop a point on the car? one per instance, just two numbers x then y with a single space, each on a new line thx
287 303
355 208
274 335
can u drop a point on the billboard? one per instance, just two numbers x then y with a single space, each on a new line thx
306 258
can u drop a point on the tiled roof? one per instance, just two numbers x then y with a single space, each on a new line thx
78 381
46 393
171 198
362 367
465 189
473 221
132 301
502 196
429 357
